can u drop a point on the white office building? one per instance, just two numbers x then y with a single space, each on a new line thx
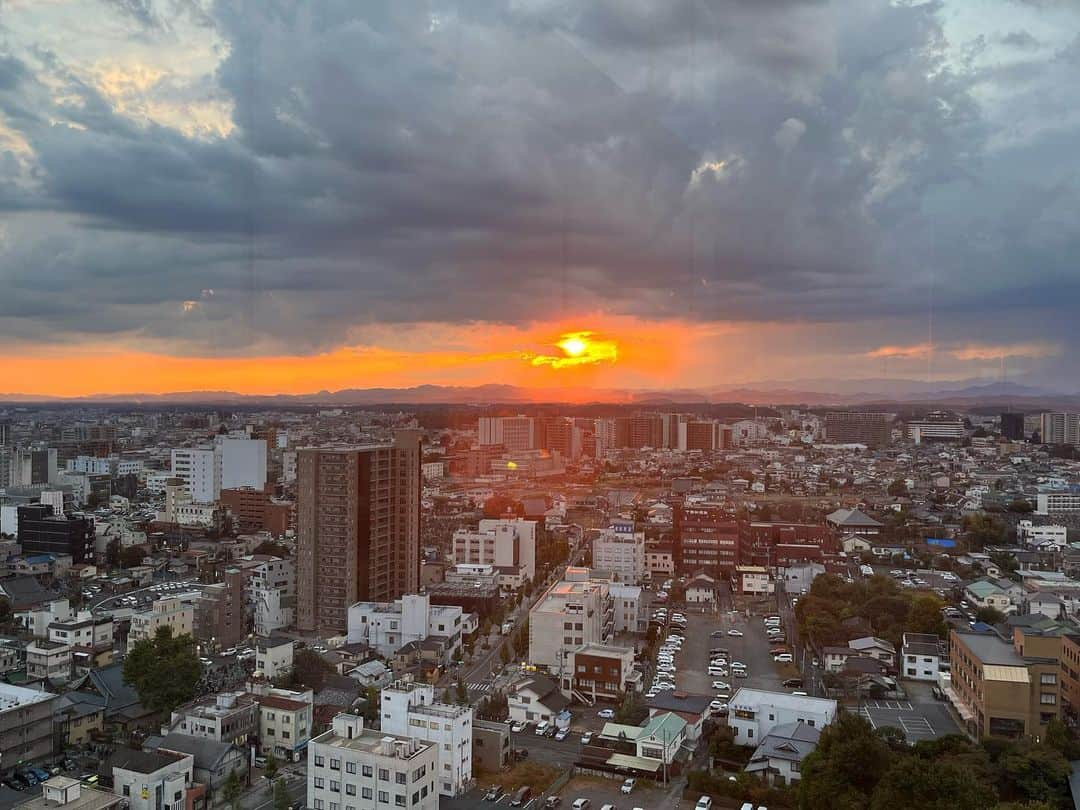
195 467
353 767
1031 535
272 594
620 551
754 713
410 710
515 433
574 611
273 657
152 780
239 463
1049 503
386 627
509 545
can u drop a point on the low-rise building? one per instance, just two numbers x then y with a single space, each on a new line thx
985 594
599 672
230 717
877 648
48 661
65 793
26 729
754 713
176 612
273 657
1003 689
370 770
386 627
90 637
753 580
152 780
620 551
778 757
491 745
922 655
213 761
410 710
574 611
536 699
285 722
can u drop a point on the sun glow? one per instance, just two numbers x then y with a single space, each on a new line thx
579 349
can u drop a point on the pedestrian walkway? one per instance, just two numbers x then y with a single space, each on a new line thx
478 686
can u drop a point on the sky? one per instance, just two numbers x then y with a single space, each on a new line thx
299 195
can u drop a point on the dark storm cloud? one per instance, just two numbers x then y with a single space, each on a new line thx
461 162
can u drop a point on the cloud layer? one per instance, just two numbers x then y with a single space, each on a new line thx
325 168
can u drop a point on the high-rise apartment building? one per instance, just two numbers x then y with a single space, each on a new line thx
195 467
854 427
1060 428
937 426
512 432
42 532
358 528
1012 426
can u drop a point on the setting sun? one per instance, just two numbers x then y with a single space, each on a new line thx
574 346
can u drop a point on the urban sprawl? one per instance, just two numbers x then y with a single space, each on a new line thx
466 606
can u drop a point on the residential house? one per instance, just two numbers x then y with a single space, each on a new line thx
778 757
922 654
535 699
876 648
754 713
212 760
152 780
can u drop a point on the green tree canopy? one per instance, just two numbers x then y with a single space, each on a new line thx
924 616
310 670
989 615
1035 772
163 670
934 785
282 800
846 766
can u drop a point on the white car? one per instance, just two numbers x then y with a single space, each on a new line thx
717 707
606 714
734 632
664 686
738 665
719 671
721 685
628 786
783 658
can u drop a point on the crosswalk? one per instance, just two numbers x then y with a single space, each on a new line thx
478 686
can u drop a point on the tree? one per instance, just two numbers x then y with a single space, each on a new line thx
924 616
132 556
935 785
271 769
310 670
5 610
271 548
282 800
898 488
462 692
981 530
846 766
230 791
112 553
163 670
631 710
989 615
1021 505
1036 772
371 706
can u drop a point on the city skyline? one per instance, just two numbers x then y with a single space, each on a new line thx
289 198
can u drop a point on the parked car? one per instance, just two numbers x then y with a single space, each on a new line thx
518 726
783 658
704 803
586 738
606 714
734 632
581 804
541 728
493 794
562 734
627 786
521 796
552 801
793 683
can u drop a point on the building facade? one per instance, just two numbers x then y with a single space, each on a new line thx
358 528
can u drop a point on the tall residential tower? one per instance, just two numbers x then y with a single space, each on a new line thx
358 528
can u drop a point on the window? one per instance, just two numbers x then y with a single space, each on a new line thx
319 782
1048 699
750 734
365 792
384 797
318 804
399 800
127 790
335 764
335 787
384 775
367 770
350 767
415 797
400 778
334 806
319 761
350 790
1048 678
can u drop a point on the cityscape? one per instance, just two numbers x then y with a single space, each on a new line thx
579 405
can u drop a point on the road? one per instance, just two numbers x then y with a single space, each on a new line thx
479 675
262 796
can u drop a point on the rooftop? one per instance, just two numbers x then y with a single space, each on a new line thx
990 649
17 696
755 697
88 798
374 742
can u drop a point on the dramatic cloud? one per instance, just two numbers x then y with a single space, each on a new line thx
237 177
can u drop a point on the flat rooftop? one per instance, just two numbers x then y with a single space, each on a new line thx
15 696
990 649
369 741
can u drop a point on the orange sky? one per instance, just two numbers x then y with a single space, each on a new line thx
595 352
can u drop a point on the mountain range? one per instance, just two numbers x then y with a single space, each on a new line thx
956 394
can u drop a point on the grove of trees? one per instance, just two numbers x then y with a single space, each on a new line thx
164 670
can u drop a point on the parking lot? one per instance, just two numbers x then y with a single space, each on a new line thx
752 649
918 721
